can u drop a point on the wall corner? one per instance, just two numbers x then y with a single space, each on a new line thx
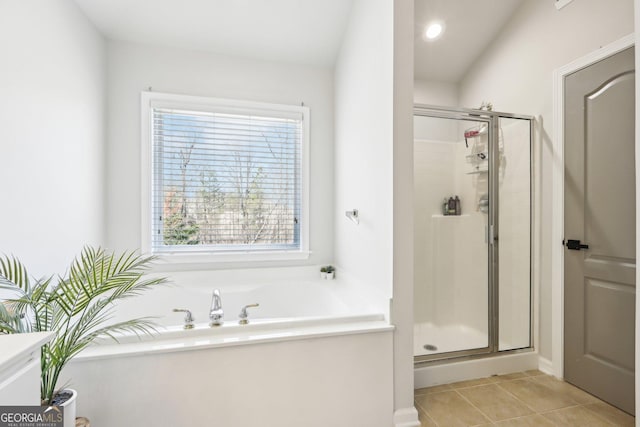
402 305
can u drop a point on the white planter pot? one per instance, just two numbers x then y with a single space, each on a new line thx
69 409
323 275
330 275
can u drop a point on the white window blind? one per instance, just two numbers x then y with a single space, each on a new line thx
226 180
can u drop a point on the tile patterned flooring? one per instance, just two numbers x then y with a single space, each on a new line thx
522 399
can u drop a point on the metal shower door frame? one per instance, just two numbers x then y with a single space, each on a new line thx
492 119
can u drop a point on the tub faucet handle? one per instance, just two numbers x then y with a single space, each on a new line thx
244 316
216 314
188 317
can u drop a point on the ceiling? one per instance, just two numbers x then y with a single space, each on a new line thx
470 26
299 31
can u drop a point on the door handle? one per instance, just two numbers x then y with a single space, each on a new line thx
575 245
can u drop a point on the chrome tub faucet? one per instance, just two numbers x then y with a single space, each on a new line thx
243 317
188 317
216 314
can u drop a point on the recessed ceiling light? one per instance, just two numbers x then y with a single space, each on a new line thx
434 30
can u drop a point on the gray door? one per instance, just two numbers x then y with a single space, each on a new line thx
599 281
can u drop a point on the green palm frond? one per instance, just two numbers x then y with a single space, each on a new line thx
96 273
10 323
138 327
78 306
12 270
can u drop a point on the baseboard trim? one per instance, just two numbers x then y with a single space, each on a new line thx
546 366
406 417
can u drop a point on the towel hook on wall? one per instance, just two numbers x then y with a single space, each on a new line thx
353 215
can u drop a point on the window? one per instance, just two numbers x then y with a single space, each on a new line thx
224 179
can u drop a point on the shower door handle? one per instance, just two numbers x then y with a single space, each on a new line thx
575 245
489 235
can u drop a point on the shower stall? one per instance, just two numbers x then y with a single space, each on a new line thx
473 216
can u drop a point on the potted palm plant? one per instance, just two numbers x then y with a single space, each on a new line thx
77 307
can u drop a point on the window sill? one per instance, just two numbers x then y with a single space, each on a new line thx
227 257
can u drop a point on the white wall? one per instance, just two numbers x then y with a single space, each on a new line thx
134 68
441 94
515 73
405 414
435 93
52 133
363 146
373 171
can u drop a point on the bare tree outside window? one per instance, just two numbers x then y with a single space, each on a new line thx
227 180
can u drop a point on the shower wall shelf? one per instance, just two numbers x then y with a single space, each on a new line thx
475 132
477 156
477 171
479 162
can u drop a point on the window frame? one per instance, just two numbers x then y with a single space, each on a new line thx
151 100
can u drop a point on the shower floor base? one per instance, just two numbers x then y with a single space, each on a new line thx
433 339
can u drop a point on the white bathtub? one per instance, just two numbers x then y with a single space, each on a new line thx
285 300
307 358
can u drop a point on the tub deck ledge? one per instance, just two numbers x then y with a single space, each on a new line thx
173 339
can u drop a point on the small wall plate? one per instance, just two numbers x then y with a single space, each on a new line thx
562 3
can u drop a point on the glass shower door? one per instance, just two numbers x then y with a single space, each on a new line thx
452 262
473 221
